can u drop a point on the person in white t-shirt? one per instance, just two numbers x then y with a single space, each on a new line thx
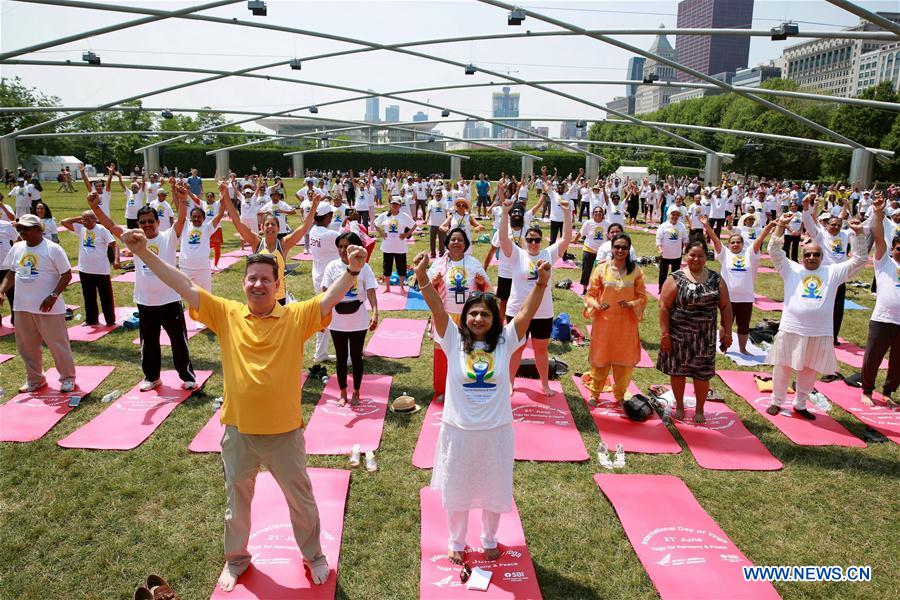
135 198
671 238
395 227
341 210
475 450
434 216
462 218
350 320
805 335
163 209
98 186
740 264
324 250
94 240
524 276
277 207
519 221
22 198
884 327
40 271
592 236
249 206
159 306
193 259
8 237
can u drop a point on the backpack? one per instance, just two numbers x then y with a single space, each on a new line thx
562 328
638 408
528 369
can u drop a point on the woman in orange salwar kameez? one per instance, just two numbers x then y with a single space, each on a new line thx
615 303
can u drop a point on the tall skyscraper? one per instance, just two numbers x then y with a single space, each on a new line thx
373 113
713 54
504 104
635 72
651 98
392 113
420 116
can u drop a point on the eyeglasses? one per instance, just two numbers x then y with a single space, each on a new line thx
533 240
623 248
812 255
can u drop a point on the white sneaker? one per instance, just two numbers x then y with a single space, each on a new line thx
371 465
189 385
603 456
27 388
67 386
146 386
620 457
354 456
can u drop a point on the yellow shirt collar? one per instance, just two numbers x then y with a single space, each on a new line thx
276 313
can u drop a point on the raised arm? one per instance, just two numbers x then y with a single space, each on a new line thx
70 222
438 313
776 246
180 198
84 178
122 183
533 300
111 169
10 215
506 245
717 243
295 236
248 236
878 227
93 200
769 228
168 274
567 226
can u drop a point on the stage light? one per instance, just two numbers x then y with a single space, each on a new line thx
257 7
516 16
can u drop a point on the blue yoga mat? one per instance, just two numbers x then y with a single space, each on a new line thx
415 301
849 305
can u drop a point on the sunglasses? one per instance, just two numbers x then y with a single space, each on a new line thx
483 295
623 248
533 240
812 255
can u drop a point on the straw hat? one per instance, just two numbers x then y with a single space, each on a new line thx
405 405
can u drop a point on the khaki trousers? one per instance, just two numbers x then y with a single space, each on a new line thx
284 455
31 330
621 379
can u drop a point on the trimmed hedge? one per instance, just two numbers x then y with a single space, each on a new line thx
490 162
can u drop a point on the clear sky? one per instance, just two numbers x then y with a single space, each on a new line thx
177 42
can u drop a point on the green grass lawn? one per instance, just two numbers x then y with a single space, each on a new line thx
93 524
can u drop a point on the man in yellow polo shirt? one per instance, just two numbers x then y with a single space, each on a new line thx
262 357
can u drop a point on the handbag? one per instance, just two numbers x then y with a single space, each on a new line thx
638 408
347 308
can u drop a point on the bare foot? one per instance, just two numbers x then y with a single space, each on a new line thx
456 556
343 399
547 391
227 580
354 401
491 553
744 352
699 418
678 414
866 400
387 289
319 572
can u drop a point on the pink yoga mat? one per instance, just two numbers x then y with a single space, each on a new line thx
565 264
851 354
878 417
302 256
423 455
193 328
126 277
7 330
544 428
685 553
653 289
131 419
513 573
767 304
393 301
650 437
723 443
277 571
397 338
577 289
335 429
764 269
5 357
28 417
824 431
644 363
76 277
92 333
240 252
224 263
209 438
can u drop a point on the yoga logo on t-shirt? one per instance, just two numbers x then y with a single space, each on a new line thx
353 292
532 271
598 233
837 246
338 217
28 266
88 239
393 226
480 367
898 277
456 279
812 288
738 263
194 237
751 235
673 234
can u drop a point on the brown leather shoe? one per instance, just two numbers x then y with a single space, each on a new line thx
160 588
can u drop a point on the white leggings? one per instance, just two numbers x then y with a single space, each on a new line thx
458 524
781 379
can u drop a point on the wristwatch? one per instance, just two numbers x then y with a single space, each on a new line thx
54 295
354 273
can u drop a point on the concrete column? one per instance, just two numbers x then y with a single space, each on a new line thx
712 173
297 164
151 160
9 158
222 162
527 167
862 166
591 166
455 168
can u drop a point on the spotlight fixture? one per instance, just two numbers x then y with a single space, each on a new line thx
580 124
91 58
295 64
470 69
784 31
445 112
257 7
167 114
516 16
431 139
314 109
650 78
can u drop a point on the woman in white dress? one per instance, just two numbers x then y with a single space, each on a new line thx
473 464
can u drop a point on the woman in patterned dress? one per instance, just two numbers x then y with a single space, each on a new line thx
687 326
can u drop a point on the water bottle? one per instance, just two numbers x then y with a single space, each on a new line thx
821 402
217 403
77 317
113 395
667 411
